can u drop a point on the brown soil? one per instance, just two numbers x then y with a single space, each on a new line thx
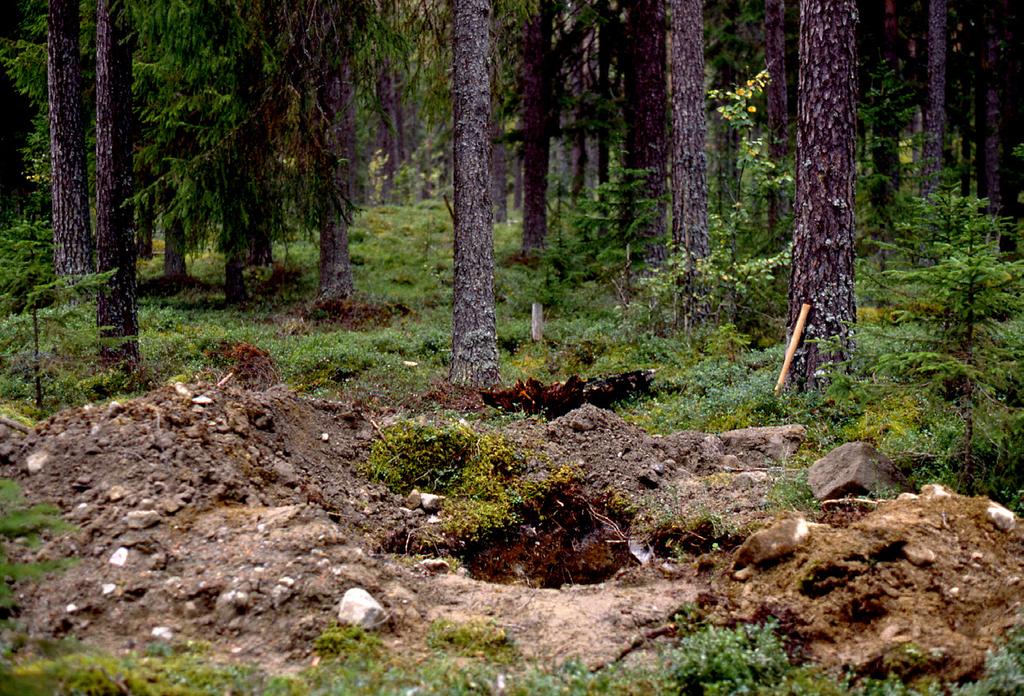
244 516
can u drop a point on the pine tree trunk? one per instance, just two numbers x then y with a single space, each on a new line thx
474 331
689 135
993 188
605 51
579 137
234 277
935 117
72 234
536 141
517 182
174 250
499 175
885 150
145 234
261 248
778 100
115 237
823 239
336 101
645 109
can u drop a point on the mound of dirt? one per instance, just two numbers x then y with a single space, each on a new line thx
920 585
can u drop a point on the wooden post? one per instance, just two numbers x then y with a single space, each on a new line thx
794 341
537 322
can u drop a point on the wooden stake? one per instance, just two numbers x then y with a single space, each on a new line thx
537 322
798 331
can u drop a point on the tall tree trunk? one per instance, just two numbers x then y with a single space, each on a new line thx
474 330
536 139
885 150
935 117
499 174
336 103
823 239
605 50
993 188
579 136
174 250
778 100
645 113
261 247
115 238
146 221
689 135
517 182
72 234
234 277
386 145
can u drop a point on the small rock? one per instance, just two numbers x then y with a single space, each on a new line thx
170 506
232 603
116 493
430 502
71 608
759 446
434 566
781 539
202 400
359 608
182 390
434 519
935 491
919 555
114 408
999 516
325 437
280 594
119 557
142 519
162 633
855 468
648 479
907 496
729 461
412 501
36 461
748 479
108 588
286 581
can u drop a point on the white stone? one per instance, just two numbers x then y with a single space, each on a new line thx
359 608
116 493
907 496
434 566
182 390
71 608
108 588
430 502
119 557
162 633
936 491
36 461
410 363
1001 517
286 581
142 519
325 436
202 400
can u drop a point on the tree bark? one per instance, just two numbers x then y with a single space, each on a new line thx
935 117
536 140
778 99
605 51
885 150
174 250
474 330
336 103
993 188
115 237
234 277
72 234
517 182
645 113
499 174
823 239
689 135
261 246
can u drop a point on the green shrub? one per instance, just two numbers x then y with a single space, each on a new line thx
479 638
348 642
1004 669
716 660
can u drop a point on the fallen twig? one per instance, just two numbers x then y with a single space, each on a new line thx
225 379
638 642
849 501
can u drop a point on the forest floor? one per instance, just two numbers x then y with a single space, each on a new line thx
240 517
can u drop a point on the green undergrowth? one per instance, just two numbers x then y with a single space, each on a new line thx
480 658
485 477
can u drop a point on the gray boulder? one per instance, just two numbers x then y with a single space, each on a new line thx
359 608
852 469
760 446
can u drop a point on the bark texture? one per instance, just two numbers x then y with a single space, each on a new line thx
536 140
993 188
234 277
174 250
72 233
822 273
474 331
689 135
645 107
935 116
778 98
115 236
337 105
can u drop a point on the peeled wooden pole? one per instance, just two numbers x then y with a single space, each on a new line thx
798 331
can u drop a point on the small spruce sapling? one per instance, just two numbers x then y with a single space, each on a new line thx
30 288
956 290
